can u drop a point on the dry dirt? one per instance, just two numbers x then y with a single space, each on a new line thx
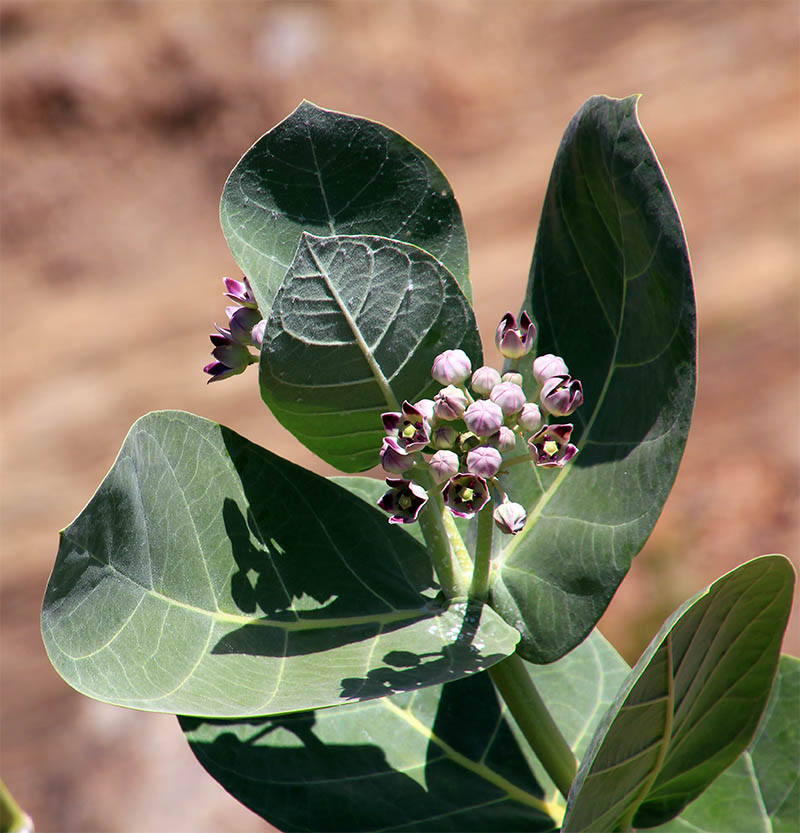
120 122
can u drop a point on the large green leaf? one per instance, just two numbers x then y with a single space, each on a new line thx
208 576
611 289
690 705
761 790
447 758
354 330
330 173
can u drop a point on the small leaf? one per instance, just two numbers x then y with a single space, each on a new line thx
208 576
690 706
329 173
611 288
761 790
447 758
353 331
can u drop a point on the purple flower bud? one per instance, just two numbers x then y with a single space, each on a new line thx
512 376
550 446
484 379
443 436
230 358
530 417
425 407
504 440
509 517
403 501
512 341
548 365
394 458
240 292
242 322
483 418
561 395
257 333
410 428
451 367
484 461
443 465
509 397
450 403
465 494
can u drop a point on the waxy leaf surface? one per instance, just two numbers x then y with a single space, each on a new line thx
329 173
690 705
209 576
447 758
353 331
761 790
611 289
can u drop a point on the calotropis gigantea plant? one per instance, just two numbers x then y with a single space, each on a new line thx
418 651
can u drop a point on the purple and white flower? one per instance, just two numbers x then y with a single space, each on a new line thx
548 365
465 494
561 395
550 446
484 461
452 367
515 341
483 418
403 501
510 517
409 427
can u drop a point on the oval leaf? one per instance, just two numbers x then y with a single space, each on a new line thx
690 705
208 576
330 173
611 288
407 762
761 790
353 332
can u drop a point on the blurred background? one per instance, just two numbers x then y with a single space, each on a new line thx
120 122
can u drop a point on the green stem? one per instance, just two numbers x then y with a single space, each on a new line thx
479 589
534 720
12 818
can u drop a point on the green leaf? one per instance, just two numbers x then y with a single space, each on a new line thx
761 790
446 758
329 173
611 289
353 331
690 706
208 576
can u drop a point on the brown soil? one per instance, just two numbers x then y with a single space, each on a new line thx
120 122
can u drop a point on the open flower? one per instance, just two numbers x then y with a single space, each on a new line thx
403 501
394 458
240 292
550 446
510 517
465 494
515 341
561 395
409 427
229 358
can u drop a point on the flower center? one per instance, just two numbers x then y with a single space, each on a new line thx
551 448
467 495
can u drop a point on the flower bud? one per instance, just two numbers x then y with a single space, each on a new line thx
443 436
230 358
465 494
550 446
512 376
530 417
403 501
443 465
451 367
242 322
394 458
504 440
425 407
561 395
483 418
510 517
509 397
513 341
484 379
484 461
257 333
450 403
548 365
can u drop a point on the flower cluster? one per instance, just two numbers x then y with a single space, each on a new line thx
466 436
245 330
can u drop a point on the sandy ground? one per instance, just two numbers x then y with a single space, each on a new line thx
120 122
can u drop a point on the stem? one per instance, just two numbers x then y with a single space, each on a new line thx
515 461
479 588
12 817
534 720
441 544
